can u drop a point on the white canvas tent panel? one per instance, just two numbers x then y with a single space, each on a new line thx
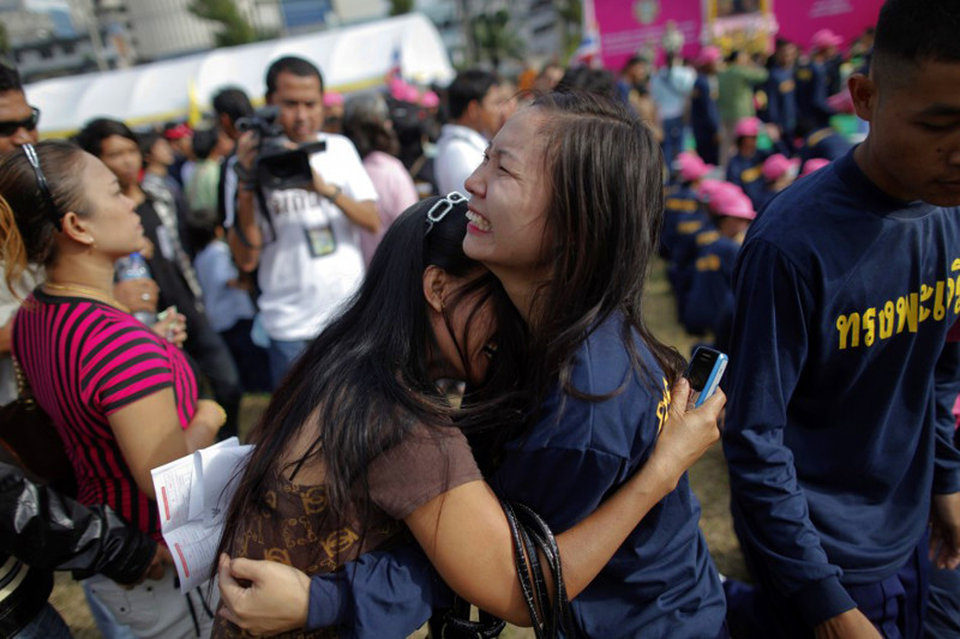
350 58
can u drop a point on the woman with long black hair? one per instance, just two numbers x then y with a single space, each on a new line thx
358 439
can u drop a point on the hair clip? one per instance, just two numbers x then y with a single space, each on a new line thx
34 161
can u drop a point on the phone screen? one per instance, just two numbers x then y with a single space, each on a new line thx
704 372
700 367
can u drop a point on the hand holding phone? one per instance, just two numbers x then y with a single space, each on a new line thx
704 371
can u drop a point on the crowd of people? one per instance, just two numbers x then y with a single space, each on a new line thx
498 235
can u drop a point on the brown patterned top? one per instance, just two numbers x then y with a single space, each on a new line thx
297 529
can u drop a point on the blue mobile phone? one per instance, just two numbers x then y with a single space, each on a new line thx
704 371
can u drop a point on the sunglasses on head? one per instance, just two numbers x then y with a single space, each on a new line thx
443 206
9 127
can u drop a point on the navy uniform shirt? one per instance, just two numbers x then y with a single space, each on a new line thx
812 94
660 583
837 429
781 100
681 217
747 173
709 305
824 143
705 117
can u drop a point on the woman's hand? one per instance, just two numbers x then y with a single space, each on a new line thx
687 434
137 295
172 326
274 599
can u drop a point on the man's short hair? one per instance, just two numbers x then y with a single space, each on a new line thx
291 64
914 31
93 133
232 102
9 79
468 86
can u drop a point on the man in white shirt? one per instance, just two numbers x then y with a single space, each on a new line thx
307 242
671 87
475 100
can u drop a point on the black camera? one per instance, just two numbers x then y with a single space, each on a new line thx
278 166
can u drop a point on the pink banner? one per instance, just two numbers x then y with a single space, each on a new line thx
847 18
629 26
632 26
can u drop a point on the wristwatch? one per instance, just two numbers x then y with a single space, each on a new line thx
336 193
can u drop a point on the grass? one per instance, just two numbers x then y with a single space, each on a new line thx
708 477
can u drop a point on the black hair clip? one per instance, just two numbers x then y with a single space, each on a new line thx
443 206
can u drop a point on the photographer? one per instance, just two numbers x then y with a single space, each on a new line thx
307 241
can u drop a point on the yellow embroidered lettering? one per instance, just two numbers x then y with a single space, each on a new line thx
926 292
869 326
663 408
939 310
849 327
887 320
907 313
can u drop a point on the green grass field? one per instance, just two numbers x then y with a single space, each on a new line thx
708 477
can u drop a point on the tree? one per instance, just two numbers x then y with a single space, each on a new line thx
234 28
495 37
400 7
571 16
4 40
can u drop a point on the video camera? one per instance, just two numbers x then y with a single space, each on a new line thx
278 166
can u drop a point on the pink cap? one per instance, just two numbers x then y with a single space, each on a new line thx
825 38
731 201
747 127
707 187
429 100
690 167
814 164
775 166
332 98
708 54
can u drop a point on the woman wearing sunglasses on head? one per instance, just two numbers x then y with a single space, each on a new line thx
567 231
123 399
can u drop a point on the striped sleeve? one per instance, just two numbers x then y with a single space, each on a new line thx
121 363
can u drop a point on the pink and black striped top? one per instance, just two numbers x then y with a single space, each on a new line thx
85 360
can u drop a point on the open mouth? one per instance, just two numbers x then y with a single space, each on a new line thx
478 220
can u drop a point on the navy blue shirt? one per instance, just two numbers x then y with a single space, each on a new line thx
682 218
833 435
660 583
747 173
704 115
824 143
813 89
709 305
781 99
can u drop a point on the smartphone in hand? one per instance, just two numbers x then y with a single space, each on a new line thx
704 371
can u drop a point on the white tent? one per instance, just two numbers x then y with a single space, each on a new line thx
351 58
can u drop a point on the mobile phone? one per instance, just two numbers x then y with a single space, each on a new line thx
704 371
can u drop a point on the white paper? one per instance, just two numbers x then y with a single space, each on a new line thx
193 493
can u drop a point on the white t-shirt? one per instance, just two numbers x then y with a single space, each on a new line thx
314 263
459 152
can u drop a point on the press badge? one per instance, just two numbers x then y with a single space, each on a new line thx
320 240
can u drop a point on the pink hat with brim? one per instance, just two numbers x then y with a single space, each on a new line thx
747 127
708 54
332 98
825 38
732 202
707 187
775 166
690 167
814 164
429 100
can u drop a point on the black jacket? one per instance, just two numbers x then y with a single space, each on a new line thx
42 531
